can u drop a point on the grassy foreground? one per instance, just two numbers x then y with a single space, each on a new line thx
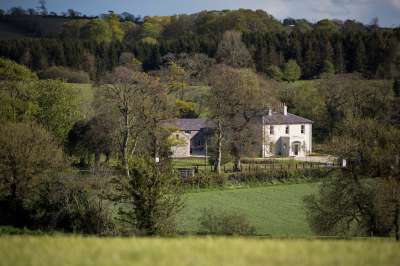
38 251
275 210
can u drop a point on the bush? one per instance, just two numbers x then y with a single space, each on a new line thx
268 176
10 230
69 75
151 196
223 223
205 180
70 208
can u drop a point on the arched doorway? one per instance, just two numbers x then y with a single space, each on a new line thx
296 148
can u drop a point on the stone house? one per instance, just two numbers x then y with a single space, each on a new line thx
191 134
283 134
286 134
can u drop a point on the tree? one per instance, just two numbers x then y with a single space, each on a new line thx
236 101
233 52
128 60
275 73
291 71
28 152
153 196
351 203
48 102
11 71
97 30
114 23
177 79
328 70
140 102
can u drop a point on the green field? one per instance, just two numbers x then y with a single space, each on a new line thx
39 251
275 210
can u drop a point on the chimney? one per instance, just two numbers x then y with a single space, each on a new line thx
284 109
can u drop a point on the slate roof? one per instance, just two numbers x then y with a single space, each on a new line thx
189 124
277 118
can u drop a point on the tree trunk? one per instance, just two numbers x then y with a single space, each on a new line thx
217 166
124 146
236 163
96 161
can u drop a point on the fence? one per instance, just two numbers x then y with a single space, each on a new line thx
266 166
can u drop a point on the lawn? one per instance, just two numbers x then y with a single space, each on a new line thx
63 250
275 210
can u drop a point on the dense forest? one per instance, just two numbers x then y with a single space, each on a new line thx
95 44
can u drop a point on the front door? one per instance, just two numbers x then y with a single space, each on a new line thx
296 149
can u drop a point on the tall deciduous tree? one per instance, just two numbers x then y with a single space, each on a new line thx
233 52
140 102
27 151
237 99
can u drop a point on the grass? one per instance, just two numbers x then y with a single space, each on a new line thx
275 210
86 251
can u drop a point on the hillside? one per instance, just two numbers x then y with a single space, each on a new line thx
8 31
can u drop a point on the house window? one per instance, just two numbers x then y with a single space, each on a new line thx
303 128
287 130
271 130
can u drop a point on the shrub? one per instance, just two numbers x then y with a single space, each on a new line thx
10 230
151 197
70 208
267 176
205 180
223 223
67 74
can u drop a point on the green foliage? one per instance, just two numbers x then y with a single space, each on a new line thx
205 180
152 198
59 206
186 109
153 26
114 23
66 74
291 71
50 103
223 223
28 152
10 230
327 26
346 205
275 73
97 30
278 175
11 71
58 107
328 69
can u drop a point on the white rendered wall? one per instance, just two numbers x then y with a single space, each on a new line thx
294 135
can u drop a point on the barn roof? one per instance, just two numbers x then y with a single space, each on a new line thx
277 118
189 123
